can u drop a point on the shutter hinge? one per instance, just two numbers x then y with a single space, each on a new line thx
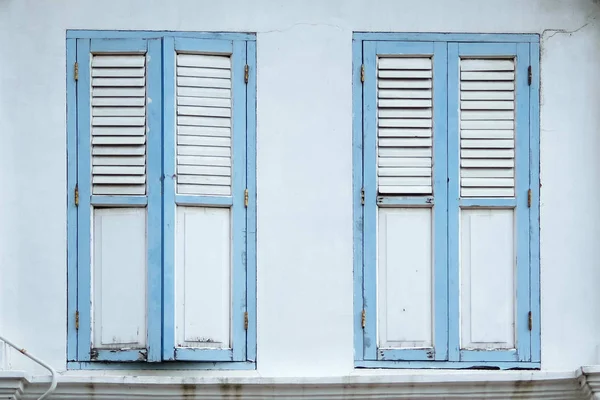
246 198
530 322
363 319
362 73
76 195
76 320
362 196
529 198
76 70
529 75
246 71
246 320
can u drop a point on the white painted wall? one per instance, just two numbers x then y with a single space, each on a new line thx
304 214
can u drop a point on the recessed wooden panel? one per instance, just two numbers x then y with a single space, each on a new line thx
119 286
203 277
487 271
404 265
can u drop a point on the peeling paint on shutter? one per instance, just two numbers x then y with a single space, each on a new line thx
405 125
487 127
204 124
118 124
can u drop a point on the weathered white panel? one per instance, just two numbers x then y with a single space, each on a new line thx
487 274
119 278
203 277
404 265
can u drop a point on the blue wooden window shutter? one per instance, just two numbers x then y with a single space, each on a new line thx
118 159
206 173
446 189
162 221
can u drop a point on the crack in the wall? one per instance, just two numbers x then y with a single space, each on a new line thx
555 32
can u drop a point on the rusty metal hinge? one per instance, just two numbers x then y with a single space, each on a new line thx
529 198
246 320
94 354
246 198
362 196
76 70
362 73
529 76
530 322
76 195
76 320
246 73
363 319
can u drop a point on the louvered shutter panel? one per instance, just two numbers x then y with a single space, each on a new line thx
118 124
204 124
207 199
487 127
405 125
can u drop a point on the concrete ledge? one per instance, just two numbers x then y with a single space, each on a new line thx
12 384
372 385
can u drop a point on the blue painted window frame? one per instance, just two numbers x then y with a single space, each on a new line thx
160 199
446 49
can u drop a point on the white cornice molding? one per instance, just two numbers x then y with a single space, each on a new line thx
500 385
592 380
12 384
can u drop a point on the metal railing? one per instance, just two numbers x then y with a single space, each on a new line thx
37 360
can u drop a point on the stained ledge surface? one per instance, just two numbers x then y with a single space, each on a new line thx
373 384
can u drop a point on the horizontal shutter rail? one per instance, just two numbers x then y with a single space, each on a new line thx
487 127
404 125
204 124
118 123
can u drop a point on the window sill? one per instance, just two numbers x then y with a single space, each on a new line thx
474 365
169 366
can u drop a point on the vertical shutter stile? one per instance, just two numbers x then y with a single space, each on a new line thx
487 127
118 124
405 125
204 126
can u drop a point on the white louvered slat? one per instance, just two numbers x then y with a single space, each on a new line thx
203 153
487 127
118 124
404 125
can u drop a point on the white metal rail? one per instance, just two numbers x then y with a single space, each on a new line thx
37 360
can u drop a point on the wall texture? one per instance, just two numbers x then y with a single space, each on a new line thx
304 162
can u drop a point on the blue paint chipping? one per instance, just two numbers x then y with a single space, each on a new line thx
238 210
71 208
440 209
453 141
84 209
534 211
251 209
369 283
154 194
357 209
446 203
168 215
161 200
